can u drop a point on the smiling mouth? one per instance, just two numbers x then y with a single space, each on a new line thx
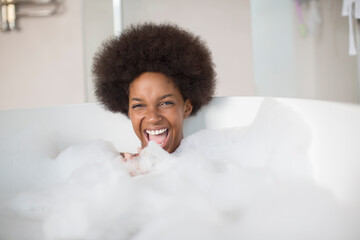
159 136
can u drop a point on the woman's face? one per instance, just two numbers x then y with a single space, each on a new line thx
157 110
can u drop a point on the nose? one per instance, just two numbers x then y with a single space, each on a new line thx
153 115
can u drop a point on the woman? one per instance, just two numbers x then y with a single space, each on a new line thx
158 75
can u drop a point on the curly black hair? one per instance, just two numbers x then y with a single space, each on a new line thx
149 47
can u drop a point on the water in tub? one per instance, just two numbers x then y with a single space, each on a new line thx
247 183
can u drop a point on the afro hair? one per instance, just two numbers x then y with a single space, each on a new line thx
148 47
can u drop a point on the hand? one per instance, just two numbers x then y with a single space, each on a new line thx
132 164
128 156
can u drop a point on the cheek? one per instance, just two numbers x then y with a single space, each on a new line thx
135 122
176 120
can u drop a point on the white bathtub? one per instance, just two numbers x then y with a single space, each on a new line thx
45 132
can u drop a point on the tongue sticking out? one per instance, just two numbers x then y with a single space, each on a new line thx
159 139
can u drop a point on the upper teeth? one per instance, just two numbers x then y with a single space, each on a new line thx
156 132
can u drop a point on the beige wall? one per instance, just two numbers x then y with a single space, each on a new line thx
325 69
224 25
314 65
42 64
49 61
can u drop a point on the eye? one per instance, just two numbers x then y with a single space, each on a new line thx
137 106
167 103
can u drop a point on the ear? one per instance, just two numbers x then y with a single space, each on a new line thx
188 107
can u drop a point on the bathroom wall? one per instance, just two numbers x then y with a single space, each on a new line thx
48 62
292 62
334 75
42 64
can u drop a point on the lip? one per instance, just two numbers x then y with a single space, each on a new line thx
146 135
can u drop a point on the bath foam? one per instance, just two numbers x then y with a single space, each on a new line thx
247 183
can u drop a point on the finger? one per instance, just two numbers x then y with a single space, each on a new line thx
127 156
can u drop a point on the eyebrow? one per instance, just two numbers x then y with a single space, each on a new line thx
166 96
161 98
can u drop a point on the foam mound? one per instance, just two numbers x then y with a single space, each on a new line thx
254 182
